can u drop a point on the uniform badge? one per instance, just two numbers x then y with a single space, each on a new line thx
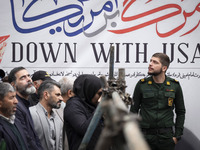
169 90
170 101
168 83
149 82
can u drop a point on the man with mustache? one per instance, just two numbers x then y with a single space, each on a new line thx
47 124
20 79
11 132
155 99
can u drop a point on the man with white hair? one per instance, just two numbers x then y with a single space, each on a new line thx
66 88
66 91
20 79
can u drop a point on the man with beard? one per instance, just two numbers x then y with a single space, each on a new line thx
155 98
47 124
20 79
10 128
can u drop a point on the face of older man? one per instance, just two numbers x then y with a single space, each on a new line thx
8 105
23 83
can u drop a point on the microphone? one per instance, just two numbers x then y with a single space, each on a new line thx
2 74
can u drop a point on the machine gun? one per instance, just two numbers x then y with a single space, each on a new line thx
121 131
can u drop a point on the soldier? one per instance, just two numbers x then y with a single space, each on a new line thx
155 98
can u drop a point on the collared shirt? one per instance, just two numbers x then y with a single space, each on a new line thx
51 125
10 120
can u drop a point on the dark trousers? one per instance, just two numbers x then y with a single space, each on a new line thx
160 141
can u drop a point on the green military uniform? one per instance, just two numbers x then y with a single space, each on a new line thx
155 104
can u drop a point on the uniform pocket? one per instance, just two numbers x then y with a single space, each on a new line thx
148 95
148 99
170 94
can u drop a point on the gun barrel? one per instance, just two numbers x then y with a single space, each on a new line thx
121 76
111 67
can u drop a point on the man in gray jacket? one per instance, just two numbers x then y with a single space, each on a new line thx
47 124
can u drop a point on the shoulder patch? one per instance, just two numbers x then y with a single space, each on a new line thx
144 80
168 83
176 80
173 80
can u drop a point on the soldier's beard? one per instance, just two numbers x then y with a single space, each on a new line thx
155 73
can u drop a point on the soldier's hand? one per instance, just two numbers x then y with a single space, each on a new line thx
175 140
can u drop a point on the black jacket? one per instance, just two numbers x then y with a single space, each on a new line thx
10 138
33 99
79 111
77 117
24 116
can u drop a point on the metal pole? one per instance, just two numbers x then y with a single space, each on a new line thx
111 66
133 135
119 103
92 126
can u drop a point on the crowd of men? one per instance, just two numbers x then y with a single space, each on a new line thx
39 113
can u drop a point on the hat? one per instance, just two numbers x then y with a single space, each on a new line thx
41 75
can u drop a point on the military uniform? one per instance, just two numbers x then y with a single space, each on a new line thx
155 103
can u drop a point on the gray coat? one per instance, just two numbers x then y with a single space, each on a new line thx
42 127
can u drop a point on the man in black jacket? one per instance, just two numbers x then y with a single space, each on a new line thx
10 128
20 79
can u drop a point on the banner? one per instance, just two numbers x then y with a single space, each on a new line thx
73 37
